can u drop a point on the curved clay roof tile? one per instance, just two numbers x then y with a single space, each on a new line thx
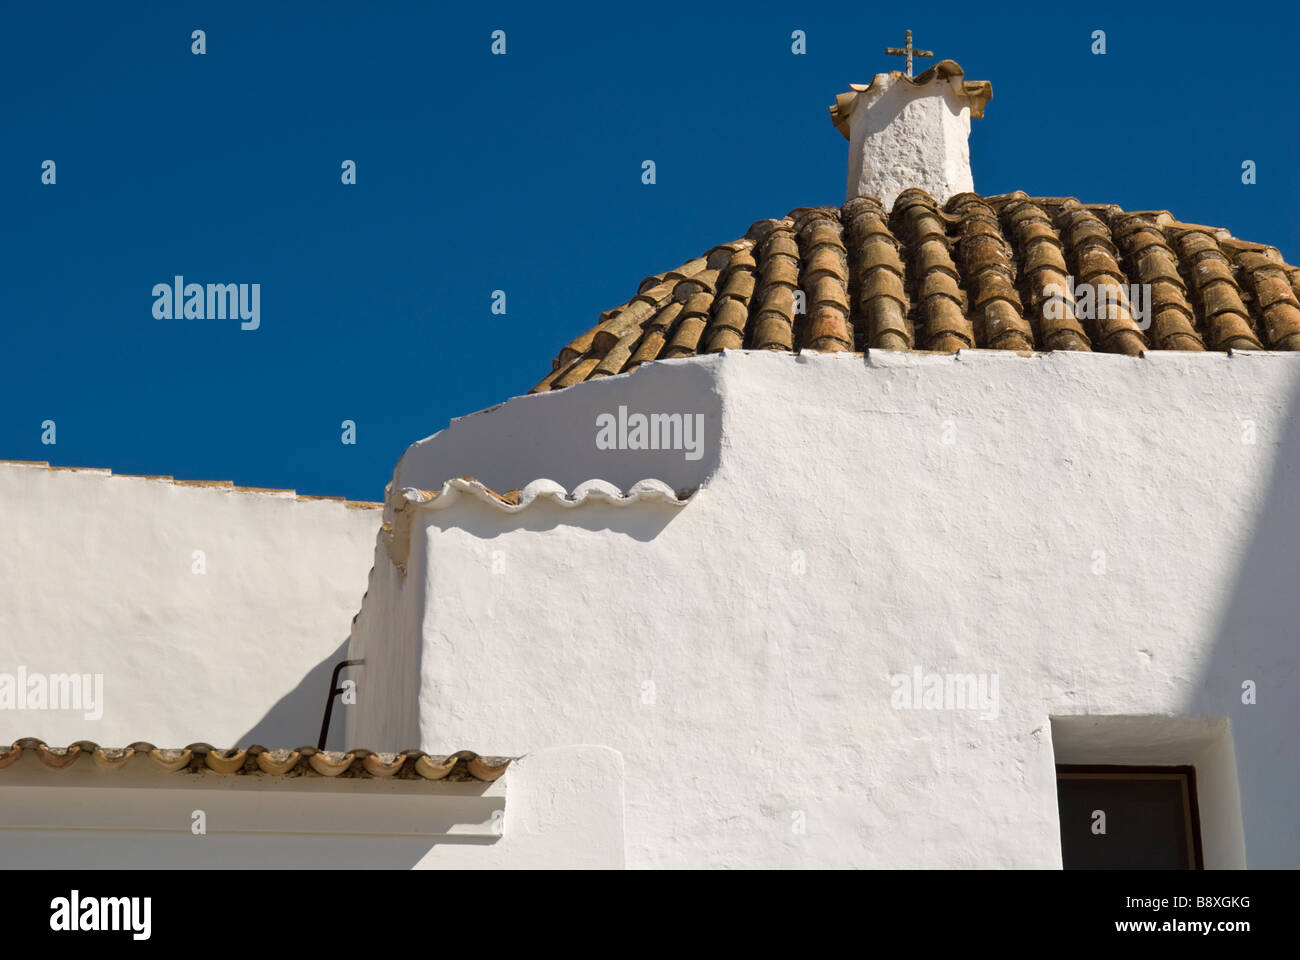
972 274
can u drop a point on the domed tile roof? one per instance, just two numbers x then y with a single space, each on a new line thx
1009 272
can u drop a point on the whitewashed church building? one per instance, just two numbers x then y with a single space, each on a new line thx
930 530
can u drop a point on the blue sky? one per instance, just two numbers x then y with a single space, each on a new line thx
520 173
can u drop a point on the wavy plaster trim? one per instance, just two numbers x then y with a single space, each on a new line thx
397 531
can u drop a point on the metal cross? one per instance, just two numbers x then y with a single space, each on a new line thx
908 52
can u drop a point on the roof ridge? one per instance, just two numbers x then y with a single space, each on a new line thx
359 762
217 484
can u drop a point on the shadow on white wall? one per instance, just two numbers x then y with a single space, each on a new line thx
1258 642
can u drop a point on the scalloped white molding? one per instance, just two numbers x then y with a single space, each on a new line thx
397 531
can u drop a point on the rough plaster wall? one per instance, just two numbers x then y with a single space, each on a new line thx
771 703
95 577
564 809
910 137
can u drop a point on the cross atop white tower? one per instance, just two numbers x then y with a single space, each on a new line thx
907 51
910 132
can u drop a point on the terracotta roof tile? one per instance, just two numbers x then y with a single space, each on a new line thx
969 274
1223 316
1042 267
1094 259
617 357
988 271
1273 299
824 277
1152 260
580 370
934 280
258 760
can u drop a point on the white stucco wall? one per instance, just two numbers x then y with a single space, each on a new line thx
97 577
1099 532
902 135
